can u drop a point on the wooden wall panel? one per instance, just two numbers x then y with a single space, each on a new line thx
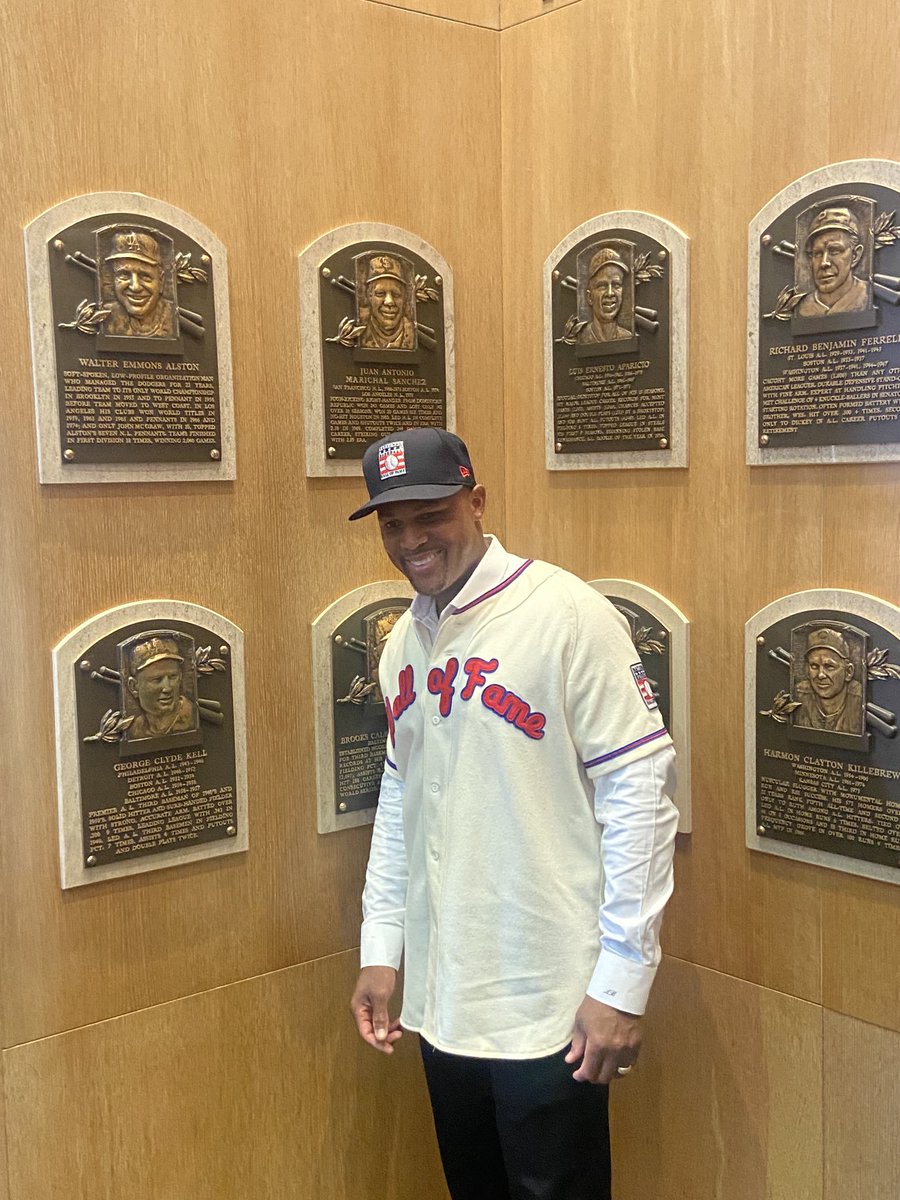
861 953
4 1164
268 130
862 1108
472 12
726 1102
514 12
258 1089
686 120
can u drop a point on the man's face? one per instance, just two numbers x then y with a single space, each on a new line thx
833 256
434 542
158 687
137 286
606 292
386 301
828 673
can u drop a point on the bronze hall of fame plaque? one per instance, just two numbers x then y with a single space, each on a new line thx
150 740
823 755
350 719
376 306
660 633
824 320
130 342
615 345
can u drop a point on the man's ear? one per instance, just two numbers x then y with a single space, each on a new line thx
478 500
857 255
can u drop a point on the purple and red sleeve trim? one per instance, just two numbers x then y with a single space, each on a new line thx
650 737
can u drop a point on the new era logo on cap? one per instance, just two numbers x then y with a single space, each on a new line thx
391 460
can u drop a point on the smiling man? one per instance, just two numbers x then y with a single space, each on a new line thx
139 309
830 697
524 747
605 293
388 326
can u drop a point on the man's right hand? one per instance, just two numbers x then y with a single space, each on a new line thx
369 1005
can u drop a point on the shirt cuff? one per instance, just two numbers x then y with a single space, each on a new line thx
621 983
380 945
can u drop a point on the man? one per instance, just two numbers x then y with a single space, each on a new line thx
833 248
387 327
156 682
830 698
520 723
139 308
605 292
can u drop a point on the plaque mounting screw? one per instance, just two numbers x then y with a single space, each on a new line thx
338 640
760 641
204 258
760 829
767 239
85 665
559 447
438 280
556 274
215 455
660 254
90 861
663 443
764 440
69 455
59 244
331 451
326 271
223 650
342 807
231 831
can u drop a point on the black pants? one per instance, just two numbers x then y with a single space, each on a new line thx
518 1130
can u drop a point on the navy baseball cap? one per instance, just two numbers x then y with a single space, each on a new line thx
414 464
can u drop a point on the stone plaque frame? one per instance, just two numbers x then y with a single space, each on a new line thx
846 177
678 628
676 243
39 234
324 700
864 607
66 656
310 264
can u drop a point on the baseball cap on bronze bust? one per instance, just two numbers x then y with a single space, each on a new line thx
151 651
414 464
827 639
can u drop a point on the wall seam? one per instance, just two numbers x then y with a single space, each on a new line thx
502 230
146 1008
439 16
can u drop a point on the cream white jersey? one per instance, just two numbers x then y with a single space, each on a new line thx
502 718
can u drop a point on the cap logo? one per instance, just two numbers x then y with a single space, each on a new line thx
465 472
391 460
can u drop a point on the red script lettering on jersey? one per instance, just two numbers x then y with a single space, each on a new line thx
405 697
494 696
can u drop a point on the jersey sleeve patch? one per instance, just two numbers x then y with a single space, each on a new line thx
644 686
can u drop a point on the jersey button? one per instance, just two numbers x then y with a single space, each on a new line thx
435 855
435 720
435 787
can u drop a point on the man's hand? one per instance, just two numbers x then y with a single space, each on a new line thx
604 1040
369 1005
